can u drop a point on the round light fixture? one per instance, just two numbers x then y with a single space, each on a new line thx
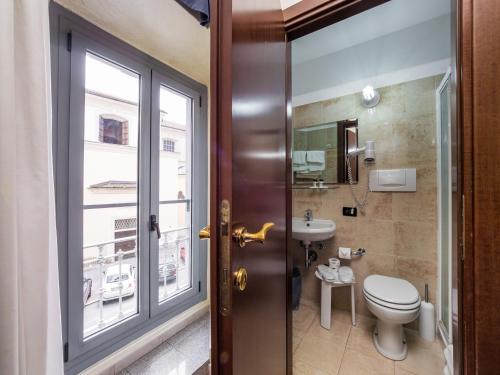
369 97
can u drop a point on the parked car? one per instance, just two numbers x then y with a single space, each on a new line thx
87 289
167 269
111 283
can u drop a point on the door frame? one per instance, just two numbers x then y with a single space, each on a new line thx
478 27
473 189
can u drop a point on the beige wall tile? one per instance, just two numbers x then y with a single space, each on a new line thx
376 236
307 115
420 206
338 109
415 239
419 272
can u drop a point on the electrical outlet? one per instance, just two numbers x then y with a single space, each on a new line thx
349 211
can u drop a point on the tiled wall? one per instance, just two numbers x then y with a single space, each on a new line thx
399 230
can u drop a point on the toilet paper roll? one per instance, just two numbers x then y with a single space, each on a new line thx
333 263
344 252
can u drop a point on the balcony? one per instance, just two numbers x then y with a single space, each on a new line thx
110 283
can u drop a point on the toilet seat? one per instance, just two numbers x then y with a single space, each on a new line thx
391 292
394 306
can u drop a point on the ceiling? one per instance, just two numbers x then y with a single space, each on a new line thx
161 28
382 20
288 3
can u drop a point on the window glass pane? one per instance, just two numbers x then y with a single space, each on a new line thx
110 243
174 257
175 145
110 178
174 247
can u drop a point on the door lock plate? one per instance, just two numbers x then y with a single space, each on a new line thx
225 259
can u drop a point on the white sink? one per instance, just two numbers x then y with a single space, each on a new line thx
313 230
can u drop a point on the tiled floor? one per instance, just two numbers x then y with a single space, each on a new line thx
348 350
182 354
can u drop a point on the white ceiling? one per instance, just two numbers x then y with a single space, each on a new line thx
382 20
161 28
288 3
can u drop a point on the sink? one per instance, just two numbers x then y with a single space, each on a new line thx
313 230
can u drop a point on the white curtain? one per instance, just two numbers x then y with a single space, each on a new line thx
30 318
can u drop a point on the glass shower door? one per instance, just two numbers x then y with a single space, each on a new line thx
444 206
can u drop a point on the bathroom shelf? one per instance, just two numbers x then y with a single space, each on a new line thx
332 187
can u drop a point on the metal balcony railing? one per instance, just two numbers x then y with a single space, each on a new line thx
103 261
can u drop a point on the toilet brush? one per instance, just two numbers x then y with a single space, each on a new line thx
427 319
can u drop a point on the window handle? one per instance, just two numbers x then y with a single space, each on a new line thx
155 226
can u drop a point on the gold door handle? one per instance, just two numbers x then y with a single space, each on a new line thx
242 236
204 233
240 279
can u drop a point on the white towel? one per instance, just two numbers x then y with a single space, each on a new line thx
328 273
346 275
315 157
299 157
301 168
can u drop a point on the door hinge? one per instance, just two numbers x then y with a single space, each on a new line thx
199 286
200 101
69 41
65 352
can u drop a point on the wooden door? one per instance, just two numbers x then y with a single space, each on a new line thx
248 174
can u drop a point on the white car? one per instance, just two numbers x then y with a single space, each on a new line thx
111 282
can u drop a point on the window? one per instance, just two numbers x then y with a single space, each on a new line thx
113 130
168 145
120 276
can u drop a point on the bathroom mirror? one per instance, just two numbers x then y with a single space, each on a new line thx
319 152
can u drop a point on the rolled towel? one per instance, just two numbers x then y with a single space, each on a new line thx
328 273
345 274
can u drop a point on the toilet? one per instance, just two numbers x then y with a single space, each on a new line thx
394 302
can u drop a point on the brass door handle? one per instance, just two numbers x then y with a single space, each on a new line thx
204 233
242 236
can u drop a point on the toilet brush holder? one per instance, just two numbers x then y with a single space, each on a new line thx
427 318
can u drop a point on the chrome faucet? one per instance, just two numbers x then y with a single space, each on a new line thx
308 215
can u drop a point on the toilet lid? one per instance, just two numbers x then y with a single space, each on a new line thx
391 289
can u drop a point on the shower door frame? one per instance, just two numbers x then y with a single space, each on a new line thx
447 335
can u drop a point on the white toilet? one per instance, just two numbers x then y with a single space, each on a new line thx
394 302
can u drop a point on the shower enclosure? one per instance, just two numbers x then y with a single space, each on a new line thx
445 186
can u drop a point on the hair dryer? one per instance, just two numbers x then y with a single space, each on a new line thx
368 150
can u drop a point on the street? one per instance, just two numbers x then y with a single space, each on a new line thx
111 309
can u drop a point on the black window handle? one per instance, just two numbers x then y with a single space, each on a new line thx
155 226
